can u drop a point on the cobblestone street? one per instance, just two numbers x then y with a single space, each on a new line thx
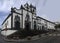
51 38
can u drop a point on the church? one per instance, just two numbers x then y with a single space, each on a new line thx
25 18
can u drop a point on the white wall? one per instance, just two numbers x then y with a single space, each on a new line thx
24 15
8 22
8 32
46 24
51 25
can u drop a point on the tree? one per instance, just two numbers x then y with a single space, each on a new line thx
56 27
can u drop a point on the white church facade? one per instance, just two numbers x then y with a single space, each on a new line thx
25 18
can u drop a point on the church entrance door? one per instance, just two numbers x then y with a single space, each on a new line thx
17 25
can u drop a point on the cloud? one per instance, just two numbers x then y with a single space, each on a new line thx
3 15
5 6
9 3
1 20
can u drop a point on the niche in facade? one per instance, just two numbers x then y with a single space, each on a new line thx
17 22
27 22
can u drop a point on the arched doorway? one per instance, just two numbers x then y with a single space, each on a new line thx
17 22
34 25
27 22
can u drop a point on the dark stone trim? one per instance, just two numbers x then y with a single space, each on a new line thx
6 29
21 7
17 13
31 6
28 11
11 20
6 18
45 20
38 23
22 18
32 20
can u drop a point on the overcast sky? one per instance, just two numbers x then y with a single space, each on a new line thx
48 9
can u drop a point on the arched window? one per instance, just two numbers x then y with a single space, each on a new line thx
27 18
17 18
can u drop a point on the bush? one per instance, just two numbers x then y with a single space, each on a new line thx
29 37
25 33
